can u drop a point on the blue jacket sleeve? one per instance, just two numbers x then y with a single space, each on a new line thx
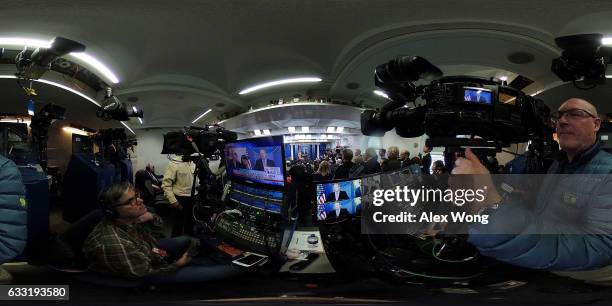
556 252
13 211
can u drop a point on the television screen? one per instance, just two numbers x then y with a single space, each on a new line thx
256 160
256 202
338 199
477 95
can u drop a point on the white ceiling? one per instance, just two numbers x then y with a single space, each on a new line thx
180 58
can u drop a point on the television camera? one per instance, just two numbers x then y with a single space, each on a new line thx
584 60
206 142
455 105
114 143
497 114
40 129
32 64
114 109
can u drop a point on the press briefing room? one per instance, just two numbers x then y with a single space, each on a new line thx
324 152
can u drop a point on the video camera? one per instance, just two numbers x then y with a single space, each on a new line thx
208 140
115 109
114 143
40 128
31 65
455 105
584 60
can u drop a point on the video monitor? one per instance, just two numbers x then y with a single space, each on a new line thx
256 161
477 95
338 199
260 203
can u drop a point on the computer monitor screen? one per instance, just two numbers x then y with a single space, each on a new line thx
256 160
338 199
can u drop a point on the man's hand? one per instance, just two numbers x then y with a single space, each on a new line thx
481 178
146 217
176 205
184 260
470 164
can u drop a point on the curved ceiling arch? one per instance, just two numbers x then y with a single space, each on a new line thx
481 47
372 38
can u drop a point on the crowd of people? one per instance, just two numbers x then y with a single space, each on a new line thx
343 163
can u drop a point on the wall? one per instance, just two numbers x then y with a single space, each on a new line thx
359 142
413 145
148 150
59 147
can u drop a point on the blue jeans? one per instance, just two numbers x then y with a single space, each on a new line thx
200 269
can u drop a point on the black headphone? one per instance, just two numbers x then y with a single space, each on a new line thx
107 208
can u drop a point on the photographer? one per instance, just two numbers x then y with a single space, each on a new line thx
122 244
562 201
177 184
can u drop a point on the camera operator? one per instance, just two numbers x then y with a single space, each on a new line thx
13 215
558 203
122 244
177 184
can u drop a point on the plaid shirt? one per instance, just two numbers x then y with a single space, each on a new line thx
124 250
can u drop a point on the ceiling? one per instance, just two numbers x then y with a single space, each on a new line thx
177 59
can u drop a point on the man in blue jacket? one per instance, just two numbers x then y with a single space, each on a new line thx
573 205
13 215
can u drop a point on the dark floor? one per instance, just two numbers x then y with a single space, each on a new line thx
258 289
264 289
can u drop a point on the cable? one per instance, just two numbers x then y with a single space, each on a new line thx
437 254
402 270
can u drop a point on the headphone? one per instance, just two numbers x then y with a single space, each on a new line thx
107 209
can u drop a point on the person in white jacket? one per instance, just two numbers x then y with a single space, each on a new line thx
177 184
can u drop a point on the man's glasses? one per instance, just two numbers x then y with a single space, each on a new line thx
573 113
130 201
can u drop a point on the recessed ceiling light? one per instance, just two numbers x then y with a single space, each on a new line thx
340 129
202 115
278 83
291 129
381 93
266 132
331 129
503 78
305 129
257 132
